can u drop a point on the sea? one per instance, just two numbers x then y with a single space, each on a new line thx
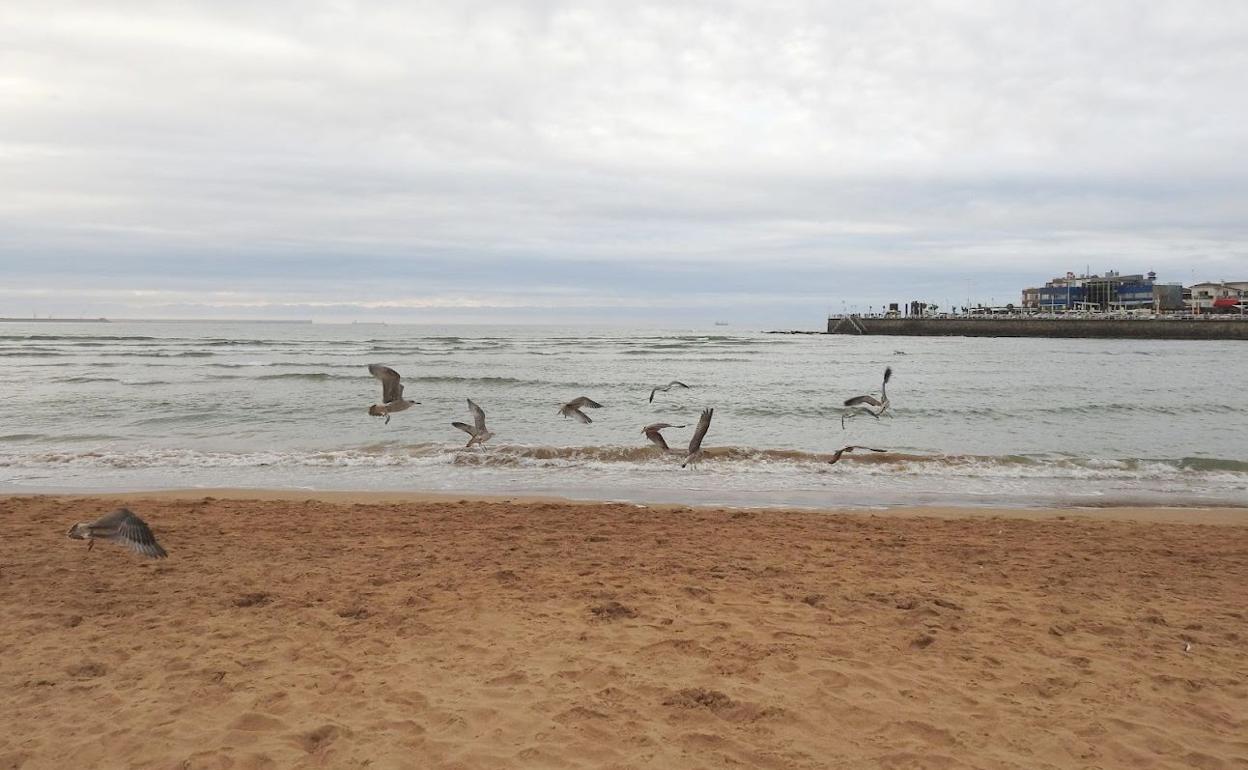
972 422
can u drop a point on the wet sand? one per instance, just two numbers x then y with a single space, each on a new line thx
356 630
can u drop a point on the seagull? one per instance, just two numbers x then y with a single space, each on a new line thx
869 404
573 408
695 443
665 388
477 430
652 432
843 450
122 527
391 392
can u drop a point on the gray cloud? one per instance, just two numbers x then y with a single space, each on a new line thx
680 159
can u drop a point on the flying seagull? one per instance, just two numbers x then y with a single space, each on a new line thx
652 432
122 527
843 450
665 388
391 392
695 443
573 408
477 430
869 404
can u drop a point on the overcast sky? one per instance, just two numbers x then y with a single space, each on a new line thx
675 162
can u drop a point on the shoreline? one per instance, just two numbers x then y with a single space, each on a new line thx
1212 515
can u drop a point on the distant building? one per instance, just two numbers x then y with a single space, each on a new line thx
1217 296
1168 297
1112 291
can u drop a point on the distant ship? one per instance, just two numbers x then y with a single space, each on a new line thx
721 323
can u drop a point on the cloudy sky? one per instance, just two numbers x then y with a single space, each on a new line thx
675 162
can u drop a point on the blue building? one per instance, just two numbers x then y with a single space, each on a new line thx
1111 291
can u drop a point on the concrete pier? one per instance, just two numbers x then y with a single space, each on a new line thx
1110 328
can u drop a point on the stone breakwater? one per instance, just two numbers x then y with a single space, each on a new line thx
1194 329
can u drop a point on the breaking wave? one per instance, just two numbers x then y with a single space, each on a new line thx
744 459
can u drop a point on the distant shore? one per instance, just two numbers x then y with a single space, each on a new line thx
55 320
156 320
328 630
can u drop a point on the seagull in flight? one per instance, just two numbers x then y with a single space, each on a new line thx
123 527
845 450
695 443
869 404
478 432
665 388
652 432
391 392
573 408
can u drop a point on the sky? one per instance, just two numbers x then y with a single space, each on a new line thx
670 163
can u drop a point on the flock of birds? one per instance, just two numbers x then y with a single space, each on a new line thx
392 401
124 527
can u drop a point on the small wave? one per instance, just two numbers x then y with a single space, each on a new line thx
310 376
137 354
452 379
78 380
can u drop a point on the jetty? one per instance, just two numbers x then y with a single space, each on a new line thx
1206 327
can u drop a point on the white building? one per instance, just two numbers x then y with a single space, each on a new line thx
1217 294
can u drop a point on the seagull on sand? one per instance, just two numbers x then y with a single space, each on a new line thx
121 526
652 432
477 430
695 443
869 404
836 456
391 392
665 388
573 408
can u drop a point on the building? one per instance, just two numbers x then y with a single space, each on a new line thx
1168 297
1217 296
1096 293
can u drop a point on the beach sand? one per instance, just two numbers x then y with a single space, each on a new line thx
377 631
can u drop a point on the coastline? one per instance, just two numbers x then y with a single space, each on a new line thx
1194 514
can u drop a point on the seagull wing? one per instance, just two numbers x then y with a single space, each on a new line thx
677 382
391 388
862 400
843 450
579 415
465 427
584 402
704 424
652 392
652 433
888 374
122 526
478 416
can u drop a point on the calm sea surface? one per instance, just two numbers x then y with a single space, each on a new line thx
975 421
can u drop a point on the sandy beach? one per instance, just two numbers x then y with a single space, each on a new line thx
356 630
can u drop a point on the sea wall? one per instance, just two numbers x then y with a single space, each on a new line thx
1194 329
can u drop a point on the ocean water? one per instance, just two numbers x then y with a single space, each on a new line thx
1015 422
